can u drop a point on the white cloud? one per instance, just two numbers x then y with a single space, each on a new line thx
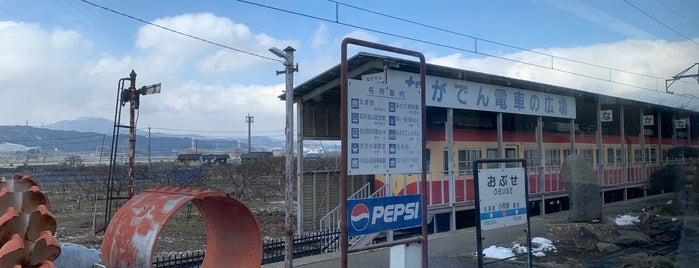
41 72
55 74
175 50
199 106
624 63
361 35
320 36
591 14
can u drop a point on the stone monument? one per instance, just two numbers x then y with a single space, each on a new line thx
583 189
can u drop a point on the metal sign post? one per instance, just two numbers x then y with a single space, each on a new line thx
385 161
501 199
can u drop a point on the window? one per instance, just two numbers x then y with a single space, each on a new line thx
466 158
427 159
618 156
653 156
532 157
638 155
492 153
552 157
445 161
610 156
588 156
566 153
511 153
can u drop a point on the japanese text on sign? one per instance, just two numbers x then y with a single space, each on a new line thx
452 93
502 197
384 128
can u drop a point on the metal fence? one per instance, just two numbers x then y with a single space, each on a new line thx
304 245
272 251
180 260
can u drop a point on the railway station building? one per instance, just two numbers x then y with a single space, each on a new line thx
472 115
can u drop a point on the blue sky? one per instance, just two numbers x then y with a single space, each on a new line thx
62 59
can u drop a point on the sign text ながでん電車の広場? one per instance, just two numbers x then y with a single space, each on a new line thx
460 94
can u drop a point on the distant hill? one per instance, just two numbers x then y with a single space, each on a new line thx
84 124
20 139
92 135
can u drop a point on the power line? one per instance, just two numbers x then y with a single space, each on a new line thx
678 14
474 51
179 32
660 22
475 38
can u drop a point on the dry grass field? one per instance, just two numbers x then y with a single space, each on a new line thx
77 200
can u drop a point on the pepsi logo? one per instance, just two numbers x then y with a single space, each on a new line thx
359 217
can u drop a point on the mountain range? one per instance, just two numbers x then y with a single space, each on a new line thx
87 135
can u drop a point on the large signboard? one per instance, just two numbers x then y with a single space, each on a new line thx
384 129
503 197
459 94
372 215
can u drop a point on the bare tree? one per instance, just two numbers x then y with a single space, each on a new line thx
73 160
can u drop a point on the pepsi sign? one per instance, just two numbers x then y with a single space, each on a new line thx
372 215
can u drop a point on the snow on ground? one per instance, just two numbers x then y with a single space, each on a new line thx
540 245
625 220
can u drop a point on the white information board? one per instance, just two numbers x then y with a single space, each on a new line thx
384 128
503 197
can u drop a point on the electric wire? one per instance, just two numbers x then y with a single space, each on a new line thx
660 22
474 51
179 32
677 13
492 42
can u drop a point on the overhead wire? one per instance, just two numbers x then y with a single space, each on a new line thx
474 51
491 41
179 32
677 13
660 22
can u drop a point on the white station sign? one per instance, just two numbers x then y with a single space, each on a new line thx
503 197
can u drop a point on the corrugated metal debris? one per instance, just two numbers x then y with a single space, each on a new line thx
26 224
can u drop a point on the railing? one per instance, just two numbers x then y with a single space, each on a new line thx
304 245
542 180
331 221
272 251
181 260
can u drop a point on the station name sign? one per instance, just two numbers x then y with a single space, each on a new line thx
459 94
502 197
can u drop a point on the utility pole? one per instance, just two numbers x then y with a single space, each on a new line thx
288 56
249 119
